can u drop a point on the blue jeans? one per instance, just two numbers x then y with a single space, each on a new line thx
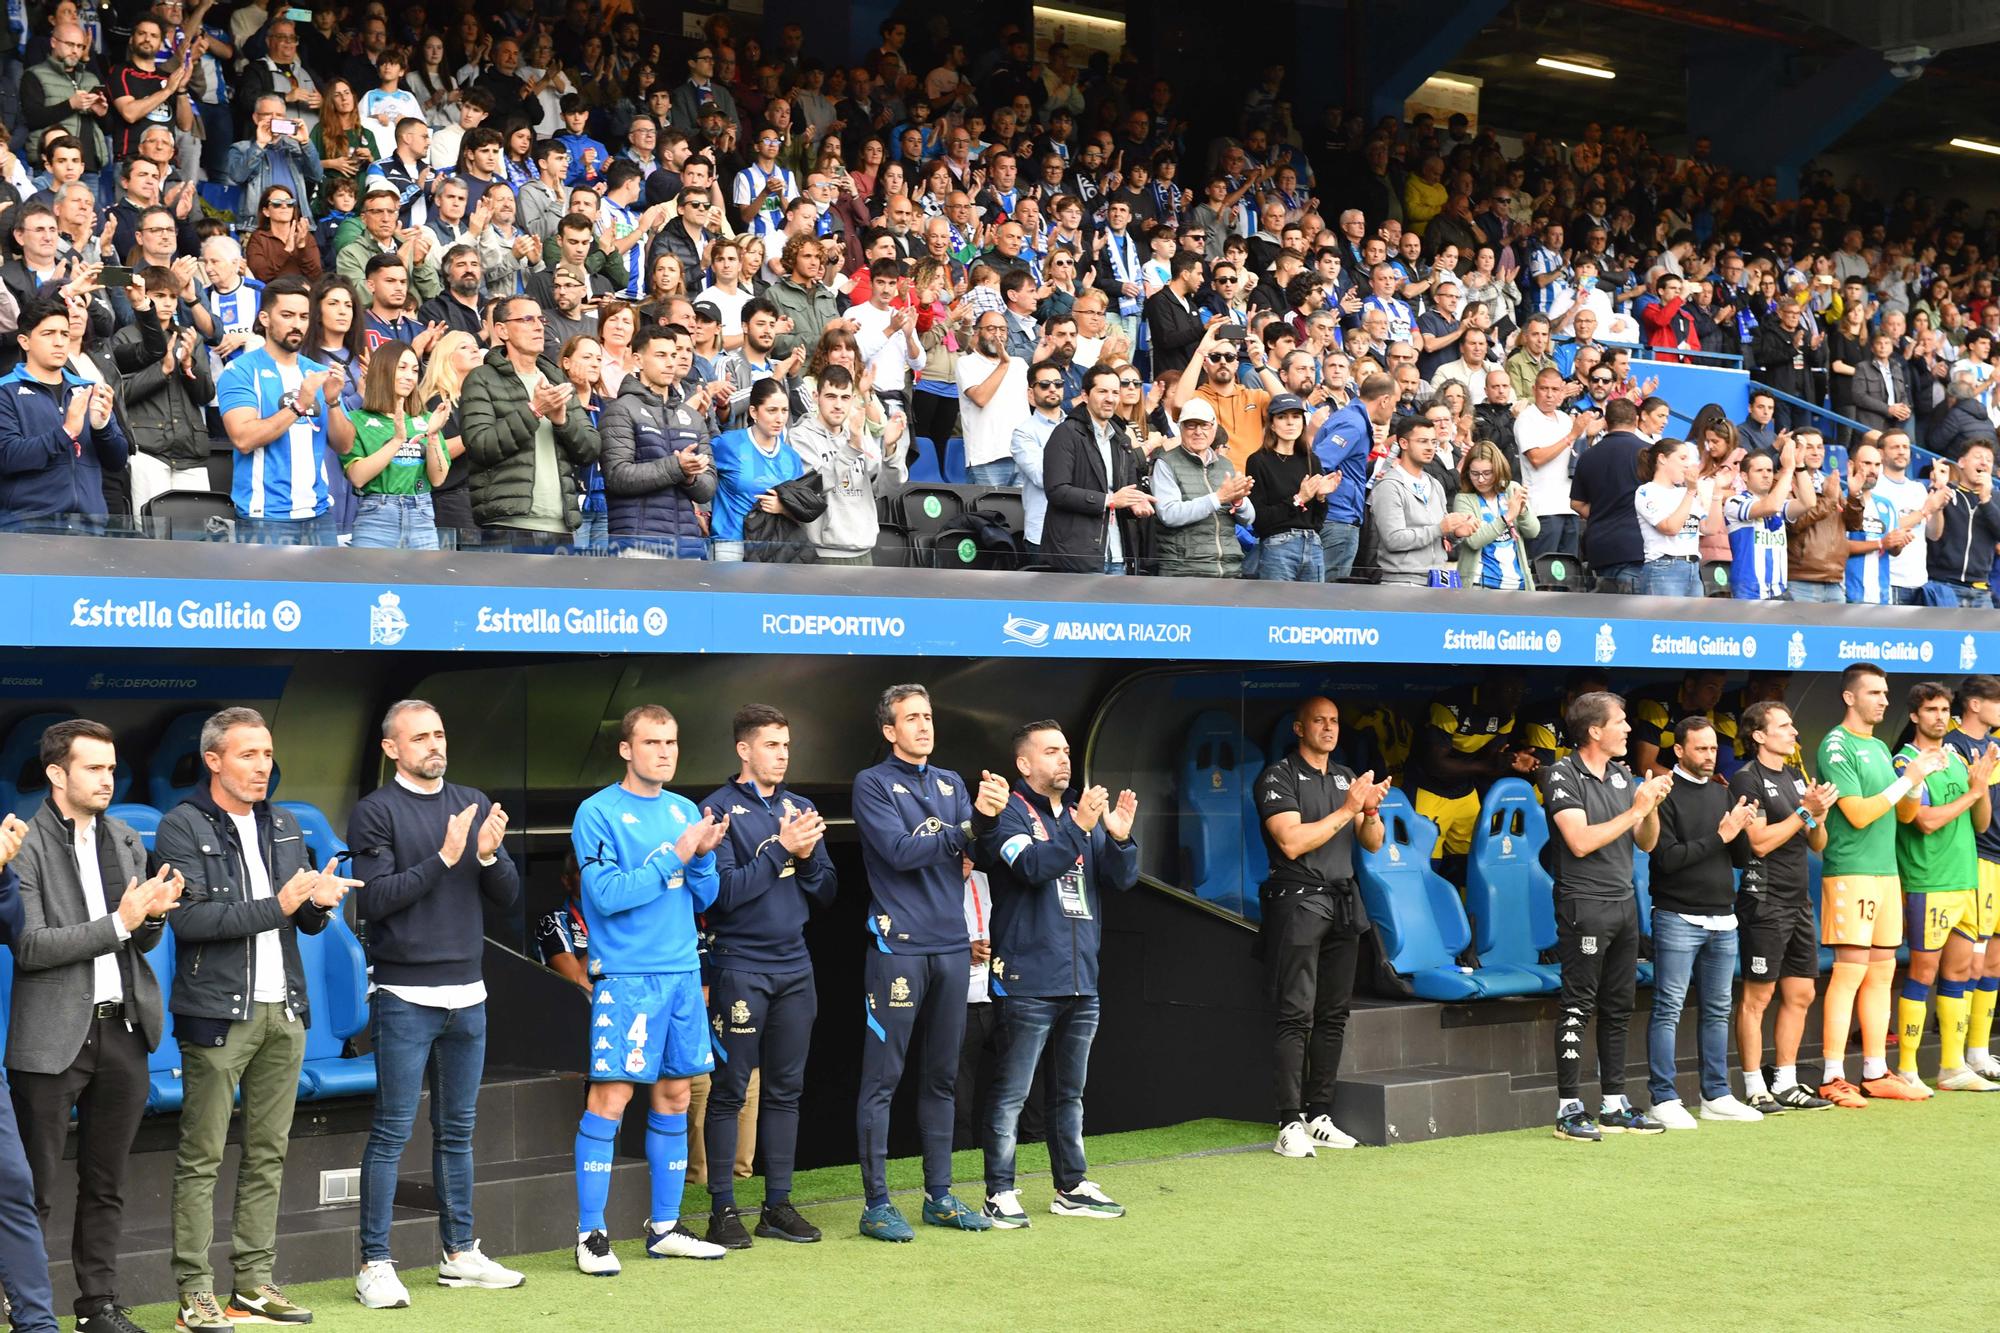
1817 592
1619 578
413 1041
1291 557
593 536
24 1260
1670 578
1559 534
1065 1025
1001 472
1684 951
319 531
1906 597
1964 594
395 523
1339 544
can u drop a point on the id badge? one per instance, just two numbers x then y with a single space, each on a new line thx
1069 891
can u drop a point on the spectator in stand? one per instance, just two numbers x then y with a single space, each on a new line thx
164 399
1090 475
1241 413
1785 356
528 448
65 92
1603 492
1029 445
1407 510
1201 498
1965 419
835 442
1531 358
1881 386
1494 554
1756 519
1961 553
1874 531
56 443
1172 320
1285 472
1758 429
1909 567
993 402
1439 333
397 456
268 159
750 463
1544 438
1344 448
1816 542
1672 502
658 466
283 241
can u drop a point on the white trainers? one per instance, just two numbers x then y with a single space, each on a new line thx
1726 1107
1326 1134
1983 1065
1964 1080
593 1255
470 1268
677 1242
377 1287
1674 1115
1294 1141
1005 1212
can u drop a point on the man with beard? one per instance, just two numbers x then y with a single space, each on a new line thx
1242 413
457 306
64 90
993 399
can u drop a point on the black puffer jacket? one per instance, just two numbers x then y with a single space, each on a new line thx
499 422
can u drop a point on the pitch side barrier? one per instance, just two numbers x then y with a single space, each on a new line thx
69 592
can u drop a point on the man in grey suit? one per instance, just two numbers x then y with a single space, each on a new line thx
86 1003
1881 389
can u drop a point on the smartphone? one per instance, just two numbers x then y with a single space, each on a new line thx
1233 333
115 275
283 128
297 15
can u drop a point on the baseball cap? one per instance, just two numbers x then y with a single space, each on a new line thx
1285 402
1197 409
709 109
709 311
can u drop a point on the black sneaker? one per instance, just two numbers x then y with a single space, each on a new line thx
1578 1126
1625 1120
1799 1097
108 1318
781 1221
725 1228
1764 1104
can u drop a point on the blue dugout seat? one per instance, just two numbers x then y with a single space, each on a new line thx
1509 897
1256 861
1418 913
143 819
321 840
23 783
163 1066
176 769
1642 888
1214 812
337 988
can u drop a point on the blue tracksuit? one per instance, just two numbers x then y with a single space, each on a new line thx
43 472
762 999
1047 898
1342 446
24 1264
911 819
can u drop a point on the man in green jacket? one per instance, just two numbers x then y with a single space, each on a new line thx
528 440
801 297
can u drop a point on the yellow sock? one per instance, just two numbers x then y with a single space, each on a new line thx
1951 1030
1910 1030
1979 1027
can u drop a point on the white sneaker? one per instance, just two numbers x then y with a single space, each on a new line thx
1294 1141
1674 1115
470 1268
593 1255
1983 1065
1726 1107
1964 1080
377 1287
1326 1134
677 1242
1004 1210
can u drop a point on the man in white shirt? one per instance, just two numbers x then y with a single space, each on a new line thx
886 335
1544 436
1031 437
1470 369
992 400
1909 565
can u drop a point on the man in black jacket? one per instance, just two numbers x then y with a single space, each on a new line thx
1694 924
1784 356
424 901
240 1011
1089 475
1176 325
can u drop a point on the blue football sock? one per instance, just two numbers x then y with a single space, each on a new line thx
667 1156
595 1138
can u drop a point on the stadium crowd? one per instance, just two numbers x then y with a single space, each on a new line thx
1409 352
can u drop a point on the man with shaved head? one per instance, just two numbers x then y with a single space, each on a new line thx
1312 812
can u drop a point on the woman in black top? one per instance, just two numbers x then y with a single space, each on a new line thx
1291 492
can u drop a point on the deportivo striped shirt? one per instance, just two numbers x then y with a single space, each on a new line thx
1757 565
1868 579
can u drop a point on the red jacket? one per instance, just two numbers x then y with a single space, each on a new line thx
1668 325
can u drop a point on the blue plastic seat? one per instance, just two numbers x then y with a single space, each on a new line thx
1813 866
163 1067
924 462
1508 895
1642 888
23 783
321 840
1213 812
176 769
337 988
953 462
143 819
1418 913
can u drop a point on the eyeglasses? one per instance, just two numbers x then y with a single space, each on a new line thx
523 319
1222 358
1052 384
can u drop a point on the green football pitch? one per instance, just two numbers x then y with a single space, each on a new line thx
1728 1227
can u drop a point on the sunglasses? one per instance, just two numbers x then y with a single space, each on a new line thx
1128 384
1602 379
1222 358
1055 384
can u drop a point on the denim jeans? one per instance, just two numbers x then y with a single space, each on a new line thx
1964 594
1291 557
1339 544
1817 592
1001 472
319 531
411 1042
1669 577
1065 1025
1619 578
1559 533
593 537
1906 597
1684 951
395 523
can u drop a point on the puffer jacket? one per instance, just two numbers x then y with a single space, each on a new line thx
163 413
499 425
651 502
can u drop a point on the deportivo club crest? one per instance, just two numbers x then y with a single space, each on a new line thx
1607 644
1795 651
899 990
739 1013
386 622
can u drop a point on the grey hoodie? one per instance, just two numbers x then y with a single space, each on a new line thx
1408 514
854 477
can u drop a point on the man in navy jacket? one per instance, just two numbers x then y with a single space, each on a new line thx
1052 863
58 434
915 822
772 866
24 1266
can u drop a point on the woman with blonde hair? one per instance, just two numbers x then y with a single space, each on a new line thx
1721 458
452 358
1495 555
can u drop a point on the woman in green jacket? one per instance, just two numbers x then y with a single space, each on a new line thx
1496 554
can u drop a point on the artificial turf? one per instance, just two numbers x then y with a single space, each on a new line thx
1728 1227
